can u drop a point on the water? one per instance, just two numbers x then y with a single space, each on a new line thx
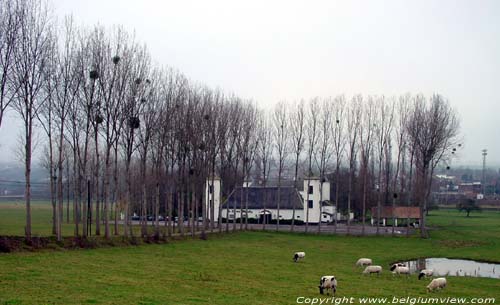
455 267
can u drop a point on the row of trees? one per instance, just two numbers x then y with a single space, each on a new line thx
377 151
129 136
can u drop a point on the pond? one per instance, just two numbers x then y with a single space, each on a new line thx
455 267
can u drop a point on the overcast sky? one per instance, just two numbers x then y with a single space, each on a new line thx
286 50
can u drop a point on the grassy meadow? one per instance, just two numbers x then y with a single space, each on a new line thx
13 218
242 268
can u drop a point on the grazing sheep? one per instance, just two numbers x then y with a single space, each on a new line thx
364 262
438 283
400 268
373 269
327 282
425 272
298 255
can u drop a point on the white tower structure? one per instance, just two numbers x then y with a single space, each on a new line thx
312 186
212 197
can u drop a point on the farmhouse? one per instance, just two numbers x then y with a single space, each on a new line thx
261 203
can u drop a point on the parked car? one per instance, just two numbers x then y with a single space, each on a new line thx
152 218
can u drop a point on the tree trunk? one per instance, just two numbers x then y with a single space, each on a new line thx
365 174
97 188
67 190
105 192
337 186
157 212
295 188
76 192
422 203
27 175
279 201
115 189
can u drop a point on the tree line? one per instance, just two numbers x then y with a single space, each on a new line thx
126 135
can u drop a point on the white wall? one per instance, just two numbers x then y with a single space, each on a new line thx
284 213
255 213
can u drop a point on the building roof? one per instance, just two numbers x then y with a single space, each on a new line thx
256 195
398 212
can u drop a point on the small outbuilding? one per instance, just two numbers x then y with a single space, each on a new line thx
398 212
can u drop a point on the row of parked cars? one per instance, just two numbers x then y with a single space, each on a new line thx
148 218
160 218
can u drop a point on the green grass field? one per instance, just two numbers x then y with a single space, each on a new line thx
13 217
242 268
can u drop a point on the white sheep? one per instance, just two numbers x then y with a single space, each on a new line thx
400 268
425 272
373 269
438 283
327 282
364 262
298 255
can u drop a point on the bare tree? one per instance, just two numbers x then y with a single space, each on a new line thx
366 136
10 24
46 118
325 149
339 147
216 140
250 144
353 126
233 151
150 105
297 123
383 129
281 142
432 127
112 84
402 109
35 42
265 155
132 107
312 140
66 85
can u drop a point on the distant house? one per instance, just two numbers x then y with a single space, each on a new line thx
398 212
470 189
263 202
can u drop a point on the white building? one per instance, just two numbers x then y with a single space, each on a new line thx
316 193
261 203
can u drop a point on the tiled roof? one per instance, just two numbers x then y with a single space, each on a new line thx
289 197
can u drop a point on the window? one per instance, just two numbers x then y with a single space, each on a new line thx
298 216
310 204
211 189
324 216
311 189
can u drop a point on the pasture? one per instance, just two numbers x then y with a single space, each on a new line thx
244 267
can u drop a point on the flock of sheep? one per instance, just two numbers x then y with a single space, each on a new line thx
329 282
